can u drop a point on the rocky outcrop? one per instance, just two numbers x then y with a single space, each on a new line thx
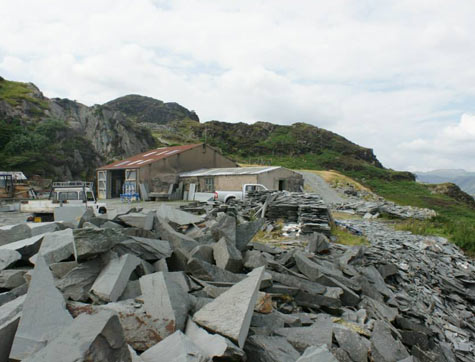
149 110
453 191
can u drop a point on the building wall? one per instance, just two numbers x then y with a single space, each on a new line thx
292 180
160 174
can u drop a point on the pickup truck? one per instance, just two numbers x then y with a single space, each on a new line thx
64 194
227 196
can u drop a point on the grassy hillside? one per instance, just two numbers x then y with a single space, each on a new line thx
455 220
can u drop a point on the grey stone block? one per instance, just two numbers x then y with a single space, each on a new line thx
77 282
96 337
352 343
177 216
320 354
165 301
140 330
261 348
209 272
303 337
38 228
113 279
246 231
144 248
43 321
203 252
254 259
8 257
69 214
225 227
91 242
59 270
230 314
12 278
318 243
175 348
56 246
134 219
176 239
227 256
213 345
384 347
26 247
11 233
131 291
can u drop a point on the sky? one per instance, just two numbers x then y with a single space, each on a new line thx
395 76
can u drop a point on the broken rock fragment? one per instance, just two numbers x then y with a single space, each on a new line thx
78 281
96 337
44 314
91 242
56 246
230 313
384 347
320 354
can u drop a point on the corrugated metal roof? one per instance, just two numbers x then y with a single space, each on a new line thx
229 171
145 158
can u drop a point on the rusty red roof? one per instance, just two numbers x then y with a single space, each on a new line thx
146 158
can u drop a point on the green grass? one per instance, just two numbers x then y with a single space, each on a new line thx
346 238
455 220
15 92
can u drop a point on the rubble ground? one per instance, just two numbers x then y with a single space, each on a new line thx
258 280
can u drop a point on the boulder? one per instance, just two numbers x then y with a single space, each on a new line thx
230 314
40 322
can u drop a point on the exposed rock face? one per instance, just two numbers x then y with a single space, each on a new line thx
109 131
149 110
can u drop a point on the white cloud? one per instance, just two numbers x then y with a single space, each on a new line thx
381 73
453 142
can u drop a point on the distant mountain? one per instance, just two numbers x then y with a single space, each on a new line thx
464 179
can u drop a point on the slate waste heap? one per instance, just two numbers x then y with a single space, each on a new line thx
176 285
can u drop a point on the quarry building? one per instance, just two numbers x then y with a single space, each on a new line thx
168 172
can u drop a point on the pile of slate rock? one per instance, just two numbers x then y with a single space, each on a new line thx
374 209
168 285
306 209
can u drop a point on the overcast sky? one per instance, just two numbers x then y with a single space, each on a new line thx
396 76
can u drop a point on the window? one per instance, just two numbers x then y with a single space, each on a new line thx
64 196
131 175
209 184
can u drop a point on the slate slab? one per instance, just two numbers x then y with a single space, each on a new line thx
91 242
208 272
78 281
41 322
352 343
176 239
26 247
384 347
178 216
230 314
320 354
11 233
144 248
245 232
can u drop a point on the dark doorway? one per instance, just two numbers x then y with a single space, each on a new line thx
117 181
282 185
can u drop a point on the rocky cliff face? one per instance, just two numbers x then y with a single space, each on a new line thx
100 133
